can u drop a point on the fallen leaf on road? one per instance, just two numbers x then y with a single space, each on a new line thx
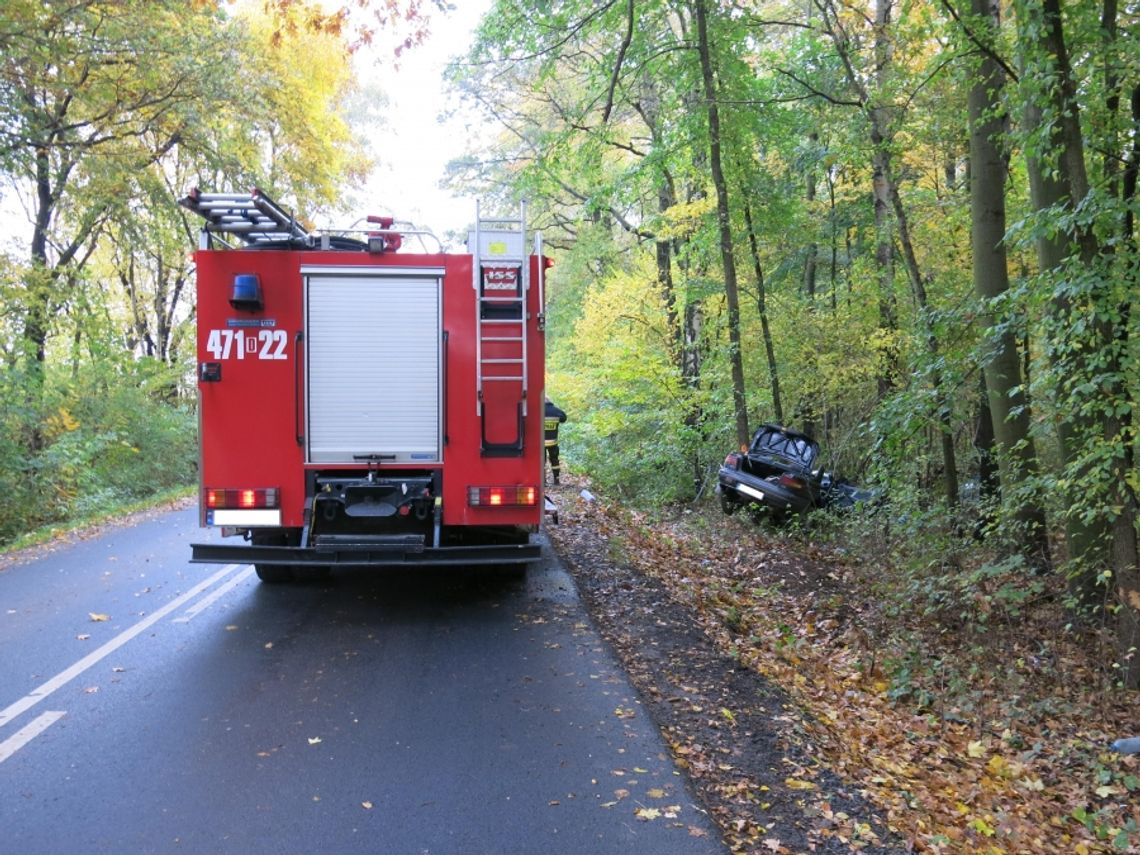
696 832
314 740
98 617
231 627
646 814
82 637
90 690
656 793
366 805
797 784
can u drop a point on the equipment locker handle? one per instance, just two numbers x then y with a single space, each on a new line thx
297 391
443 396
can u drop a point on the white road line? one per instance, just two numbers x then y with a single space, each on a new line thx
27 733
208 601
69 674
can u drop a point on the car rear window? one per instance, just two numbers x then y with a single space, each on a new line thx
795 448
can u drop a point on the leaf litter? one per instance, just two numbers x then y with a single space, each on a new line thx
818 751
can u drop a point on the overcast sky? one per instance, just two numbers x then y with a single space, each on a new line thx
415 147
411 152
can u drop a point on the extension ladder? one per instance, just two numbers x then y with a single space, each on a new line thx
252 217
501 279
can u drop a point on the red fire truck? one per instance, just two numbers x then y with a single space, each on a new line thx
363 404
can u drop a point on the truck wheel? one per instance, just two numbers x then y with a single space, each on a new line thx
274 573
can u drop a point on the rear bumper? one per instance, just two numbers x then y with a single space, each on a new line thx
742 487
365 554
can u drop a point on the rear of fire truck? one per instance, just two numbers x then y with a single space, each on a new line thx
361 404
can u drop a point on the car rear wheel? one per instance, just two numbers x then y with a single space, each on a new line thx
727 504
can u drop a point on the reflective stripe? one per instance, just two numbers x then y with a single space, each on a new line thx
550 443
551 423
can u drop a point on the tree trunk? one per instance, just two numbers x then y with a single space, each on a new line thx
731 291
989 478
664 246
1109 542
810 263
885 264
1008 407
832 220
884 231
762 307
887 197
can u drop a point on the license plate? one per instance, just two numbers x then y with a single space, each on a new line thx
749 491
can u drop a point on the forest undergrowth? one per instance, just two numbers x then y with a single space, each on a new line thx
963 700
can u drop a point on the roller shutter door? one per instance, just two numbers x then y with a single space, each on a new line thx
373 367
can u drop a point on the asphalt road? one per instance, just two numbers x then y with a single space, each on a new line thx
151 705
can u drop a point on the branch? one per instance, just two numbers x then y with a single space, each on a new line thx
617 65
977 42
570 34
832 99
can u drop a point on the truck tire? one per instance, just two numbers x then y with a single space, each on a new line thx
274 574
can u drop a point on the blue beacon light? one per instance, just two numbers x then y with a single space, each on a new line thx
246 295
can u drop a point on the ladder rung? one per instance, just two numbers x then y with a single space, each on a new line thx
502 338
500 321
489 379
502 361
487 299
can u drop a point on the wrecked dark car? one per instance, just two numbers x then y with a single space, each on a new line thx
780 474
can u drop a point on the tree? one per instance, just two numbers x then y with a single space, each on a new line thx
724 224
892 221
1008 406
1089 327
83 113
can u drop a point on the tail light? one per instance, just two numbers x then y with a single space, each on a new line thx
514 496
241 498
791 482
732 461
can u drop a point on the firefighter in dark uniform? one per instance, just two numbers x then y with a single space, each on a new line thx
553 417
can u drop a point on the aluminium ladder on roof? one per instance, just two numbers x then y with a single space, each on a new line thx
252 217
500 273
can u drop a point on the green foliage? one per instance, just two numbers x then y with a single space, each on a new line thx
97 321
108 437
624 398
882 362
